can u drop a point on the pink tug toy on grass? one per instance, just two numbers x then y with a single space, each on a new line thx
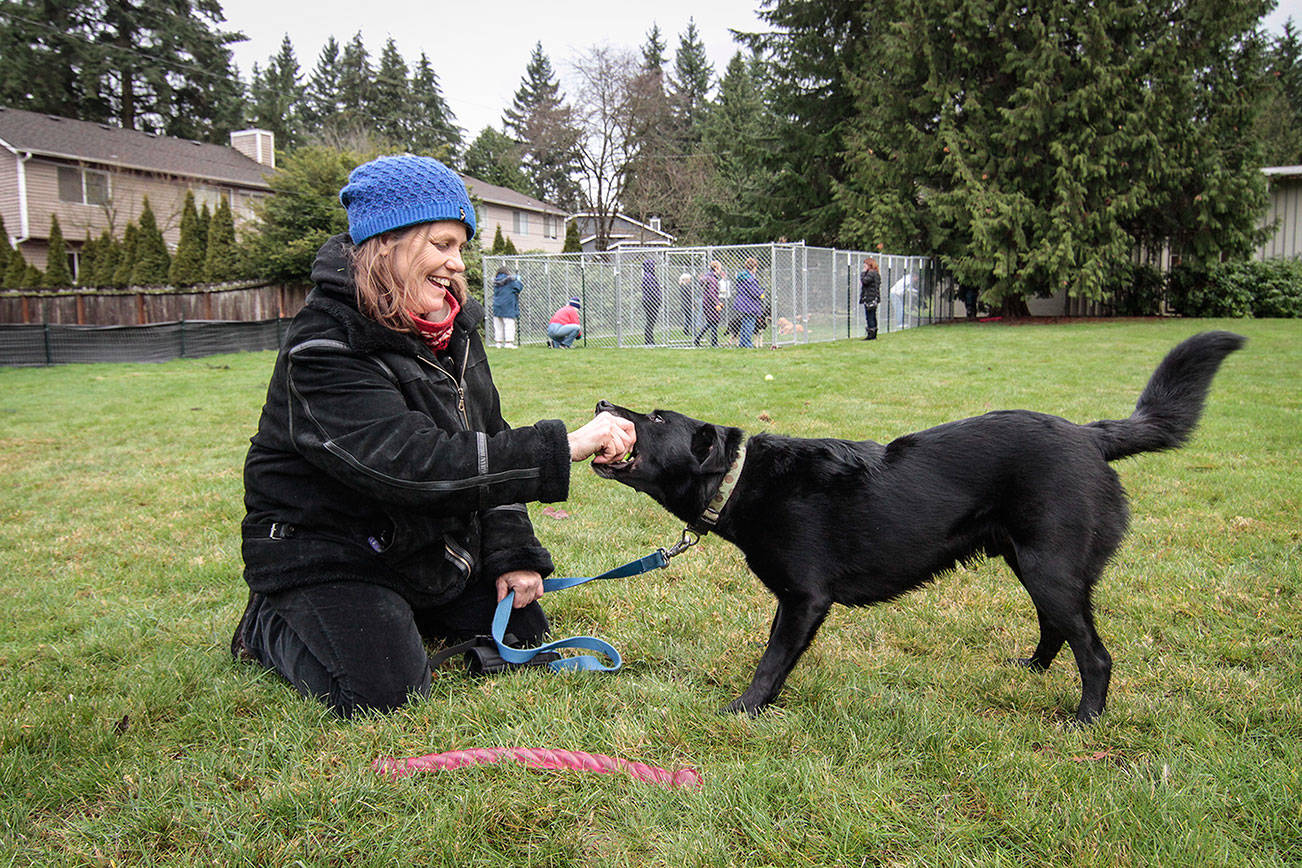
537 758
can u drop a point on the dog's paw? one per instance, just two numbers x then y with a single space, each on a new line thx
1027 663
739 706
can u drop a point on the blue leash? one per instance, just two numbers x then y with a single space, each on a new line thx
658 559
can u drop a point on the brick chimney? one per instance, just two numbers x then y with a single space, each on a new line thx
257 145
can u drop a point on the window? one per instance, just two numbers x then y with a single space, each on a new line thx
520 222
83 186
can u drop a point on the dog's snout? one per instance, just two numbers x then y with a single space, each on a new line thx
604 406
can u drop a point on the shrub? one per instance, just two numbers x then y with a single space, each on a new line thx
1269 288
57 275
1141 291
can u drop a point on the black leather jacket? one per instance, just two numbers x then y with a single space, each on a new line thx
376 461
870 288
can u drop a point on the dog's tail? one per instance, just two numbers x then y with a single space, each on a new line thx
1171 403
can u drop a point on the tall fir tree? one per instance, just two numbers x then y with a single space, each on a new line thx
808 50
321 105
220 262
277 96
57 274
152 261
1045 160
15 276
356 88
160 66
734 200
201 229
544 128
187 264
499 242
434 129
390 105
690 82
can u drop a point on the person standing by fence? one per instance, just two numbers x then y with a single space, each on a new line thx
748 302
384 492
506 308
650 299
711 305
870 295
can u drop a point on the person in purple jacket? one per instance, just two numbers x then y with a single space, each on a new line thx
748 302
711 306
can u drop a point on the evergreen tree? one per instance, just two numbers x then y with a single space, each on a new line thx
434 129
277 97
301 216
733 200
689 86
390 106
499 242
1279 126
508 249
107 261
321 105
16 272
653 51
152 262
544 129
201 230
6 251
1041 161
87 261
495 157
808 52
155 65
356 87
573 244
220 262
658 140
57 275
188 264
127 259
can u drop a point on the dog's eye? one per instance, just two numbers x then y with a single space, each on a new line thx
656 418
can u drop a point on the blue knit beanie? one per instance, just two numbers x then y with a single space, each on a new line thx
393 192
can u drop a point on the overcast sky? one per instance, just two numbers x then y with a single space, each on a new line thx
479 50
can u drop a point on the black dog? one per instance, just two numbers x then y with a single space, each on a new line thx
838 521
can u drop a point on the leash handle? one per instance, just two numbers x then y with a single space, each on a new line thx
658 559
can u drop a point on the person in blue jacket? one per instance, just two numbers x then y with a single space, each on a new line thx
748 302
506 308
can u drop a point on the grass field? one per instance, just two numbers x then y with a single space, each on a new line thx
128 737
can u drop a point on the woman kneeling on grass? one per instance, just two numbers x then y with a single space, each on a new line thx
384 492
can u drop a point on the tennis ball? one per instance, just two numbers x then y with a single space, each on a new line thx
768 376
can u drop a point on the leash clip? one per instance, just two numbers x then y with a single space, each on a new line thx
689 539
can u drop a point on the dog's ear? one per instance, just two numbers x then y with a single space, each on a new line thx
707 447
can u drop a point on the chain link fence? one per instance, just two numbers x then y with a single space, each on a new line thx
654 297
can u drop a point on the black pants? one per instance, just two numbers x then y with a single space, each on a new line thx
361 647
870 320
711 326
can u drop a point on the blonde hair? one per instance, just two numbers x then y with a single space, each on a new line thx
382 293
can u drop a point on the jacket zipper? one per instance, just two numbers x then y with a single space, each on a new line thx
457 384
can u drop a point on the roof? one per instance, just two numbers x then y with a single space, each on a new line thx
487 192
620 215
1283 171
87 141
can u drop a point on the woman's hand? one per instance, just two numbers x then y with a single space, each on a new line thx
527 584
607 436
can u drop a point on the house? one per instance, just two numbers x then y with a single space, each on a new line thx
1284 212
624 232
95 176
532 224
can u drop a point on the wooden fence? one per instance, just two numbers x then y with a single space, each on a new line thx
144 306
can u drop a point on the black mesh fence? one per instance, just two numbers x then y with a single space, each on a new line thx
58 344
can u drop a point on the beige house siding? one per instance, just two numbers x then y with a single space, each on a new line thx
539 231
1285 213
126 194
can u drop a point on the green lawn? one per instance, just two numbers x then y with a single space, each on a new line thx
128 737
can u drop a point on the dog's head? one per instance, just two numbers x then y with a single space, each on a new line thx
678 461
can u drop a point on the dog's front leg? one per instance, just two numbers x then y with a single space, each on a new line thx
797 620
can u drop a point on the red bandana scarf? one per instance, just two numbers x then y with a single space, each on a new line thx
437 334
